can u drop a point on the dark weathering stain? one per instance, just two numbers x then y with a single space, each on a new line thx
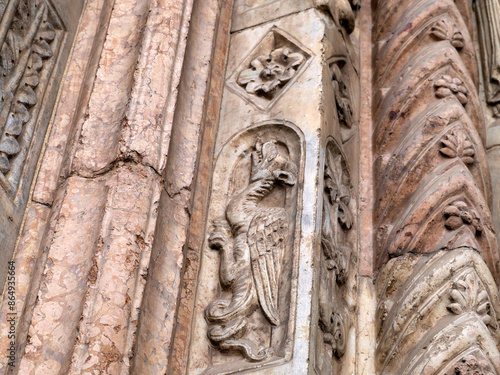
407 27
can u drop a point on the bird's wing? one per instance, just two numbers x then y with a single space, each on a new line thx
267 237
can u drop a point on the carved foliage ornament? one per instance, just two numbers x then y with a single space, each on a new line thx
457 144
444 29
447 86
343 96
488 14
337 219
458 214
271 71
27 49
252 239
469 295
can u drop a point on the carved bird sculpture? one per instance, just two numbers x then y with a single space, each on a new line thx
252 241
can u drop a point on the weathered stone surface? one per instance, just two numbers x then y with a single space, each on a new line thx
274 187
35 42
98 141
59 306
437 252
117 277
147 128
274 324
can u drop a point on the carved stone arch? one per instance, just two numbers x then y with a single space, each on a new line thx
253 210
446 293
421 27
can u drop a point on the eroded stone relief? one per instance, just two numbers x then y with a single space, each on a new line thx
244 314
488 16
270 69
334 316
29 49
343 100
252 240
438 258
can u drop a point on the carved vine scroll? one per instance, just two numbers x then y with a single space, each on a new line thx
334 315
29 49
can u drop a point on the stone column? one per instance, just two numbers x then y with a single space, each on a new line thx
270 276
437 256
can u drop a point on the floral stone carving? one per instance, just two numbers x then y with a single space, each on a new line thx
343 101
270 69
31 41
459 214
270 72
336 251
447 85
468 294
457 144
445 30
252 240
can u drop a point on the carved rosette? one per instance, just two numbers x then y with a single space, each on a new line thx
28 52
437 256
269 73
270 69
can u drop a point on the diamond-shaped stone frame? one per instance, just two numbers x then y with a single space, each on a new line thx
275 38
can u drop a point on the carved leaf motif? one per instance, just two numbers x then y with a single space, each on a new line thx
447 86
337 191
268 72
468 295
342 97
445 30
28 44
457 144
458 214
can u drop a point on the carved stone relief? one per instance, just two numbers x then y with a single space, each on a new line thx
342 93
270 68
488 17
29 50
336 259
248 262
252 239
438 259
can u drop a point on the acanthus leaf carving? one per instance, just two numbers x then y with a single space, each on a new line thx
457 144
336 253
252 240
469 295
443 29
343 100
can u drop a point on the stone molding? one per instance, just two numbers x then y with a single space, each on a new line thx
437 254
